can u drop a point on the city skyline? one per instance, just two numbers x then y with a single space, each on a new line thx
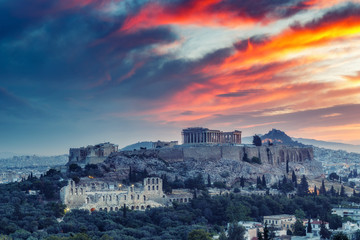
81 72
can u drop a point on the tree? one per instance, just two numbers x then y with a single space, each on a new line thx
258 183
259 235
332 191
357 235
287 166
333 176
340 236
322 190
342 191
294 179
324 232
257 141
315 191
263 182
236 232
266 232
309 228
242 181
299 229
303 188
199 234
209 181
222 236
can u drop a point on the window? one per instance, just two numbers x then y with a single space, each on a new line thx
157 187
149 188
138 197
157 181
153 187
153 181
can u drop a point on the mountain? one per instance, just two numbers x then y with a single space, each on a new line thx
279 137
329 145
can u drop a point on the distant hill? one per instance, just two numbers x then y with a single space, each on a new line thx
138 145
330 145
280 137
4 155
33 161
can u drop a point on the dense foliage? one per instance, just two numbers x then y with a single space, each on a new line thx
41 216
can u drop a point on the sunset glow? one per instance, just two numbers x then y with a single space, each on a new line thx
126 71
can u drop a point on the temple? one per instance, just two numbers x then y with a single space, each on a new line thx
199 135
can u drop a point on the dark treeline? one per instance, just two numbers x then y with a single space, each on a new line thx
24 216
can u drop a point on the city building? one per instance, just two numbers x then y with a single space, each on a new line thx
283 221
353 213
199 135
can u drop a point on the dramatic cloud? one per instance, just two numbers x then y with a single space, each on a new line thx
164 65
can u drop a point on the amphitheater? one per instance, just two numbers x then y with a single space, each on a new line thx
94 195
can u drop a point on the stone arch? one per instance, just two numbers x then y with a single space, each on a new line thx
142 207
116 209
137 207
148 207
105 209
111 209
132 208
87 200
100 209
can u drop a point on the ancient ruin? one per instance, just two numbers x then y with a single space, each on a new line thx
199 135
92 194
91 154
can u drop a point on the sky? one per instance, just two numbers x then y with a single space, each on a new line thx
79 72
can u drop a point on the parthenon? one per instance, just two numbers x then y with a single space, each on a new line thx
196 135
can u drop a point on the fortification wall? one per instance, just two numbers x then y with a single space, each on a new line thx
275 155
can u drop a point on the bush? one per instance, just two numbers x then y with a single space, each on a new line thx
219 185
256 160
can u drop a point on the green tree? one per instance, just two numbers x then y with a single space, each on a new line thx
339 236
299 228
242 181
303 187
263 181
257 141
342 191
322 190
309 228
324 232
199 234
357 235
287 166
333 176
236 232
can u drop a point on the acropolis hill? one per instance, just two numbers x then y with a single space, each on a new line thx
219 154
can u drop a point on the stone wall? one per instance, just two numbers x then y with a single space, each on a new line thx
268 154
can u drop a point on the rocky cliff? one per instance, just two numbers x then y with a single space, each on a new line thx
223 163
